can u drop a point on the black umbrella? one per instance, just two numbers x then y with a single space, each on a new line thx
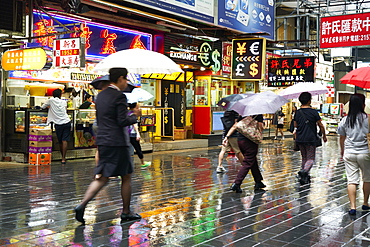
97 83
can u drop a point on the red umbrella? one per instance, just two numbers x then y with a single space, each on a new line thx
359 77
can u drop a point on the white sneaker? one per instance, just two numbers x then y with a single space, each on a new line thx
220 169
282 138
275 138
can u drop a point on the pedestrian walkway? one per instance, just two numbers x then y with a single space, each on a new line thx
184 202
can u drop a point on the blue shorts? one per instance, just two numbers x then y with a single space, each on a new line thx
63 131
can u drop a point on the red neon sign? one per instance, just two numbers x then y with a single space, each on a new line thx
84 33
108 46
137 43
45 27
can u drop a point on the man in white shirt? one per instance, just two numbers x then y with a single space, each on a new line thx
57 114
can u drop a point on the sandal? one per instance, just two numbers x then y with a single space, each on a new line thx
130 216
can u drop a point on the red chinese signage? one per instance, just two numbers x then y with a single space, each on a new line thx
288 71
345 30
227 49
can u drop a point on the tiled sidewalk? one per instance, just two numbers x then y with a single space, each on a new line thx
184 202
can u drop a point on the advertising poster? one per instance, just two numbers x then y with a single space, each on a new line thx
345 30
197 9
250 16
288 71
248 59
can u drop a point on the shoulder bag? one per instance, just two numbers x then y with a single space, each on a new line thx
318 138
248 127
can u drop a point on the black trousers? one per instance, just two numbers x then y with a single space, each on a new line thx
136 144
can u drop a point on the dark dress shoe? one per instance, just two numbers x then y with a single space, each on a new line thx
80 210
236 188
304 178
130 216
259 185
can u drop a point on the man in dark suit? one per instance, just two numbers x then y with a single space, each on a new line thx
113 143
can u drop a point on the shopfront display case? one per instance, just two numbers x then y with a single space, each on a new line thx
18 123
147 127
84 134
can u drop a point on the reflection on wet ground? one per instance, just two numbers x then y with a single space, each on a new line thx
184 202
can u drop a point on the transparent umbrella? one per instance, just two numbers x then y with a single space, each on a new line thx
294 91
259 103
138 95
139 61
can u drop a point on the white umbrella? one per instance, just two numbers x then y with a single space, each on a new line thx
137 95
294 91
260 103
367 106
139 61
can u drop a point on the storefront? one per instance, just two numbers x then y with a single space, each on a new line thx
28 87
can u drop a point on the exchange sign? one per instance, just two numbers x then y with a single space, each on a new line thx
248 59
288 71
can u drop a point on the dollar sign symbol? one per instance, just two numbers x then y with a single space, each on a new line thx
166 120
216 62
253 69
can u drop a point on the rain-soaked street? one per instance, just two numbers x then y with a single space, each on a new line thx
184 202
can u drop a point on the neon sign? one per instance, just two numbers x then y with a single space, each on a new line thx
108 46
101 40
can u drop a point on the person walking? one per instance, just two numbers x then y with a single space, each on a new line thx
113 144
228 121
135 137
249 150
353 130
279 123
57 114
305 133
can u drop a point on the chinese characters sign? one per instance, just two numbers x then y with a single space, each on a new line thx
100 40
248 59
69 53
24 59
226 57
345 30
288 71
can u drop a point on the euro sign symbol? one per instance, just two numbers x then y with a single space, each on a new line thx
253 71
239 69
166 120
217 65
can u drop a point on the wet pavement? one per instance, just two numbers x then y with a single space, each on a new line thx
184 202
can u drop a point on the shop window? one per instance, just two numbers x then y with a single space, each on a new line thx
149 86
189 90
201 91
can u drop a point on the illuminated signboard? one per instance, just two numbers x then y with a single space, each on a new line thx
100 40
248 59
25 59
345 30
226 57
288 71
69 53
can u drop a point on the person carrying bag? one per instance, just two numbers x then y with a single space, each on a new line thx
305 121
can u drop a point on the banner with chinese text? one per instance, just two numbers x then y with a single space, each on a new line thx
248 59
288 71
69 53
345 30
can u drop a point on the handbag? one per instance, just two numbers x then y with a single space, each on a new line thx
318 137
248 127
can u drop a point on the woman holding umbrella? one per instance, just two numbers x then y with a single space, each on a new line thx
249 150
305 133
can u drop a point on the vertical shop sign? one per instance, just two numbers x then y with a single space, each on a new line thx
288 71
69 53
248 59
226 57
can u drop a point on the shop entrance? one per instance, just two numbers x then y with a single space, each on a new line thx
173 95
